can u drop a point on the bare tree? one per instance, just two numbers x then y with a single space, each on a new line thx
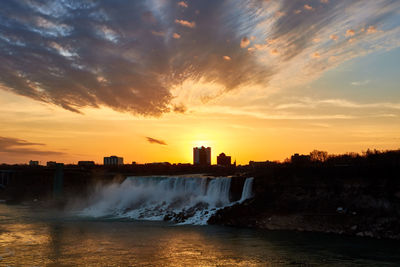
317 155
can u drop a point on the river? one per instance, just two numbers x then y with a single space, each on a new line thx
30 236
123 225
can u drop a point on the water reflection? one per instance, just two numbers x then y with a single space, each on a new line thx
51 239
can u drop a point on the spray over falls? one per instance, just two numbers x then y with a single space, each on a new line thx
185 200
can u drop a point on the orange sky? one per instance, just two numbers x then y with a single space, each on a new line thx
257 80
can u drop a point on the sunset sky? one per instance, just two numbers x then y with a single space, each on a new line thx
149 80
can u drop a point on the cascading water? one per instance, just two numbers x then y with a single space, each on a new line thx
185 200
247 189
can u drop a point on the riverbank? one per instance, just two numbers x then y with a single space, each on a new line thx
357 200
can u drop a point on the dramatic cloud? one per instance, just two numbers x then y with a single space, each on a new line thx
155 141
123 54
18 146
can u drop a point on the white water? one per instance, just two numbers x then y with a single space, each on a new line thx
183 200
247 189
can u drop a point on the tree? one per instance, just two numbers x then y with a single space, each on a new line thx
317 155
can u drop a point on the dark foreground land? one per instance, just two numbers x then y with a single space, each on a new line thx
354 195
346 194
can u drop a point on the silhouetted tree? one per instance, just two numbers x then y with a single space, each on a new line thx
317 155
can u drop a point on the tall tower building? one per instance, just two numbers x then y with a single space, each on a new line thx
202 155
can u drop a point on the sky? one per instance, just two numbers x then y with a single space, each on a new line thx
149 80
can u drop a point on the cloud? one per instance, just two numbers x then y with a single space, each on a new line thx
307 103
180 108
274 52
261 114
371 29
155 141
122 54
244 42
334 37
227 58
18 146
189 24
360 83
315 55
183 4
308 7
176 35
350 32
156 33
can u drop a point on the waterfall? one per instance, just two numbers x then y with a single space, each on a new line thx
185 200
247 189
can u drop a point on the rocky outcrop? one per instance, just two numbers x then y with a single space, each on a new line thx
367 208
349 224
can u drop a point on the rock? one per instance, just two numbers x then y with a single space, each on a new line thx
369 234
340 210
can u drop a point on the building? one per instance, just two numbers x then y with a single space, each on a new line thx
51 164
113 160
33 163
84 163
223 160
202 155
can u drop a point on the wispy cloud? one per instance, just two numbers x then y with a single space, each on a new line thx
307 103
10 145
360 83
156 141
260 113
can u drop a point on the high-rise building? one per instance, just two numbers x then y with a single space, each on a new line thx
223 160
113 160
202 155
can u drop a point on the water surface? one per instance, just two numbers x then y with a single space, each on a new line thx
31 236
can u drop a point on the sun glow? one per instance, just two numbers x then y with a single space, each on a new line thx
201 143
